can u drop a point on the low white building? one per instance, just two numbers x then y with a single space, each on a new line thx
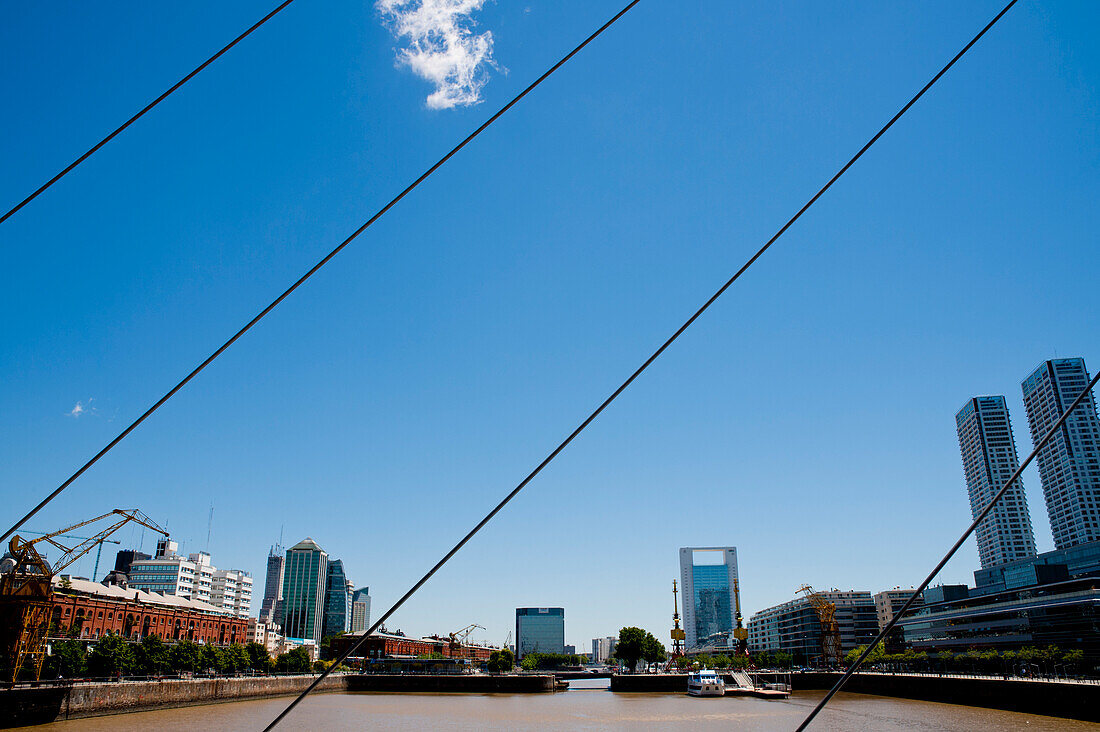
268 635
193 578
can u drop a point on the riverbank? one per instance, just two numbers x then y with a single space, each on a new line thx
1067 699
30 705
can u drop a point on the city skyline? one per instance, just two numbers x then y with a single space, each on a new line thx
436 362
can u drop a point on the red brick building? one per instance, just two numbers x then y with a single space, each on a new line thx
89 610
387 645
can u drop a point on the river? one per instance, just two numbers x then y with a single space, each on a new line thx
588 705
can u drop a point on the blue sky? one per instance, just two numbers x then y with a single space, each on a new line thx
807 419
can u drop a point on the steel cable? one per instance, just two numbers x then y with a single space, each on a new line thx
141 114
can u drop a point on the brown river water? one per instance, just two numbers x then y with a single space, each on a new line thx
588 705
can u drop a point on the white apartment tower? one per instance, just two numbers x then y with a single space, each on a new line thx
989 460
231 589
1069 466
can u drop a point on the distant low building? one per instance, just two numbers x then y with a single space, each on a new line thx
570 650
269 635
231 589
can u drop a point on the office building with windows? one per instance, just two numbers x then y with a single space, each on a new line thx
360 610
304 579
708 576
337 600
540 630
273 585
1069 465
171 574
989 460
794 627
603 648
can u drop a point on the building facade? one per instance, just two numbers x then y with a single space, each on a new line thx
1057 611
89 610
989 460
337 600
540 630
273 584
795 627
231 589
889 602
391 645
168 572
304 591
708 576
603 648
360 610
1069 465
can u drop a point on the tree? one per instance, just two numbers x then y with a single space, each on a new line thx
683 663
235 658
211 659
111 656
876 655
629 647
258 658
151 656
69 660
186 655
295 662
501 661
653 651
783 659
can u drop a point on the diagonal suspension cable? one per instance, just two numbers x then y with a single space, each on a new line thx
687 324
141 114
951 552
301 280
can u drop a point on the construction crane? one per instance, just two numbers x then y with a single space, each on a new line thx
98 551
739 631
830 630
26 586
458 638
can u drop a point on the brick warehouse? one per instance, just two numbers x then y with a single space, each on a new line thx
88 610
387 645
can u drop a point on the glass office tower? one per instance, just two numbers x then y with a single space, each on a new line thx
540 630
989 460
304 591
1069 466
337 600
707 575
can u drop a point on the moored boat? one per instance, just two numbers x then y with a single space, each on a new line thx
705 682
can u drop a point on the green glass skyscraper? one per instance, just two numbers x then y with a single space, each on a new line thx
304 590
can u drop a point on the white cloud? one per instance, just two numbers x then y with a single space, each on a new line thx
442 47
82 408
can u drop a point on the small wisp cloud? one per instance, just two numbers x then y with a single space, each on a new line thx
83 408
441 47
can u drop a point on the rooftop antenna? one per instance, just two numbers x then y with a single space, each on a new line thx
209 526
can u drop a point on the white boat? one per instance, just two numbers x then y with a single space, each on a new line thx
706 683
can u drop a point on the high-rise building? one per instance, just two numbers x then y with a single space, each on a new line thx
540 630
989 460
337 600
360 610
171 574
231 589
1069 465
126 557
603 648
273 585
708 576
304 591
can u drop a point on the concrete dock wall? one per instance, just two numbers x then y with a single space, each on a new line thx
37 705
1051 698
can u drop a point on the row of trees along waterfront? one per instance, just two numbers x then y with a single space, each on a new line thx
113 655
1049 660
